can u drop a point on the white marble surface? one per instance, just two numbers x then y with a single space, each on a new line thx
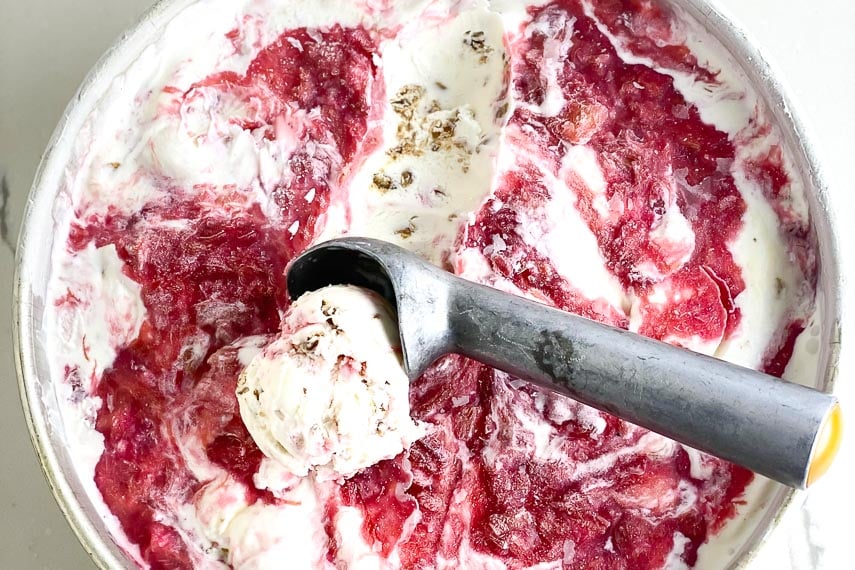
46 47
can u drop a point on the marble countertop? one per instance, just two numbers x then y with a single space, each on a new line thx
46 48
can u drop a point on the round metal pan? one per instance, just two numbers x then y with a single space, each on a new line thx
35 244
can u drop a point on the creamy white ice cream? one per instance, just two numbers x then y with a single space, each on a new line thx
347 420
330 394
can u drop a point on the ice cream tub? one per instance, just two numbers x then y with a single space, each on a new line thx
765 502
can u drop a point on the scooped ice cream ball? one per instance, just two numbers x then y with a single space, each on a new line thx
330 394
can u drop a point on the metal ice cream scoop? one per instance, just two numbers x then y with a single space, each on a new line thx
782 430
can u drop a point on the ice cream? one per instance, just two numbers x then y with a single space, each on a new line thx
607 158
330 394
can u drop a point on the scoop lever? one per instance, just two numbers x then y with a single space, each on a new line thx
787 432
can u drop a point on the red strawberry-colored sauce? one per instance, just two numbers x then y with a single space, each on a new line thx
591 493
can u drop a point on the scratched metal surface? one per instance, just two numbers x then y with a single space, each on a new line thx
47 46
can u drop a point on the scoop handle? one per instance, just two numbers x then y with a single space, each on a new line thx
782 430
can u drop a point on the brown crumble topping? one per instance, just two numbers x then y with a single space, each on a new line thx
333 325
779 286
424 125
327 309
405 101
405 233
476 40
309 345
382 182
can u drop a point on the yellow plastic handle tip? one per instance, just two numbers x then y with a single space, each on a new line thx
826 446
